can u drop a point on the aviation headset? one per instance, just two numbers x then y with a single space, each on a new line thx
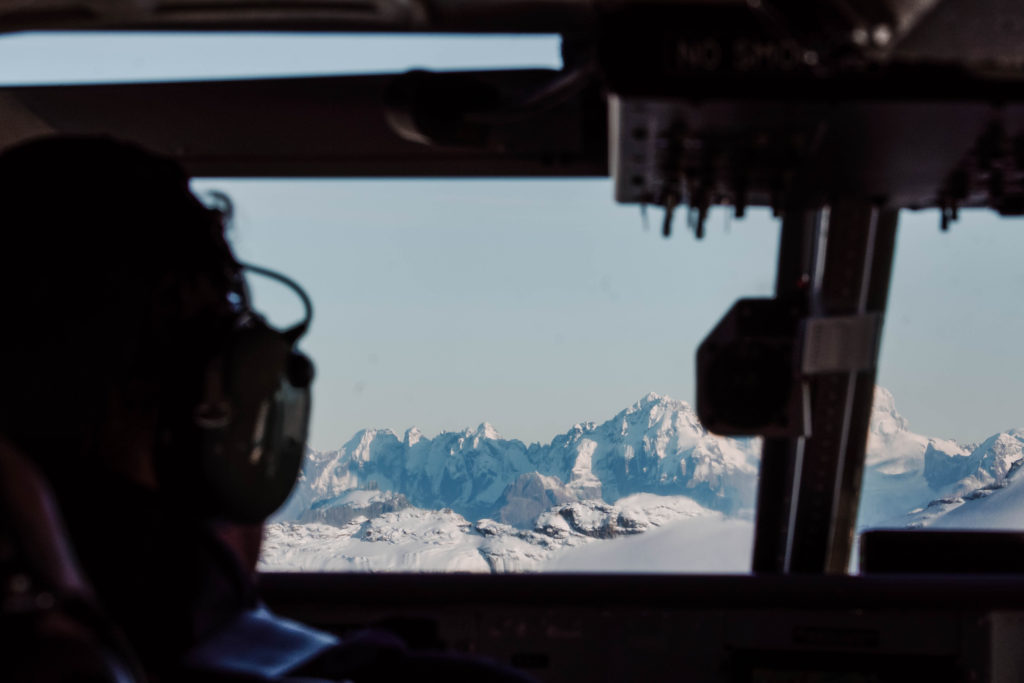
232 434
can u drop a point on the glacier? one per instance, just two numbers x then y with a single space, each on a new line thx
647 490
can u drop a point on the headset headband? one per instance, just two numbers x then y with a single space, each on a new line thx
296 332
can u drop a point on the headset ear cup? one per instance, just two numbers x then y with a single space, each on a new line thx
251 463
300 370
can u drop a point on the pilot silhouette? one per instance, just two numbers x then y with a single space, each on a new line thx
165 415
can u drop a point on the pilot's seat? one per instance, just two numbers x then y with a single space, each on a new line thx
51 629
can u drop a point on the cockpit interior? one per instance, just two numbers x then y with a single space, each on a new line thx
835 125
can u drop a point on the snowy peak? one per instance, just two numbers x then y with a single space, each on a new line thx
657 445
994 460
658 418
653 401
363 445
884 418
487 431
412 437
656 409
894 450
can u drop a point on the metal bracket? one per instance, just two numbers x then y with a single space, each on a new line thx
848 343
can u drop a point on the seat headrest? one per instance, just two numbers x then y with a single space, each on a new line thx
49 622
31 516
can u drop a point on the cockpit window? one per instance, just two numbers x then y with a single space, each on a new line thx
69 58
505 376
506 367
945 445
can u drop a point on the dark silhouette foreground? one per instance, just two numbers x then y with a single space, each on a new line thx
122 299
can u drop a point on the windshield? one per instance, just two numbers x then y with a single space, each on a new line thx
506 367
944 442
505 376
127 57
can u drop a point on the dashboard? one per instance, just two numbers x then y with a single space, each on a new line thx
687 628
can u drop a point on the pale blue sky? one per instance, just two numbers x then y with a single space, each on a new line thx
537 304
528 304
35 58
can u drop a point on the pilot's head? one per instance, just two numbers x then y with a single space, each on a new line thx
130 352
134 372
112 275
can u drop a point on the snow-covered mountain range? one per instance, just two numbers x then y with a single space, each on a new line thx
912 481
657 445
475 501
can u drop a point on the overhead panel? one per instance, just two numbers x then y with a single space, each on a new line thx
338 126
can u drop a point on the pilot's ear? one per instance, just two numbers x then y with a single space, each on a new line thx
128 431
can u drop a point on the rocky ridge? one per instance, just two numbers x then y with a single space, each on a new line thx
474 501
